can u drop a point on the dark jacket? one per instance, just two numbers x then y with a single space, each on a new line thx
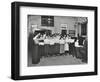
30 41
80 40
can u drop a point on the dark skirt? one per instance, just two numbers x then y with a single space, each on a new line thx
35 55
41 50
54 49
62 49
78 55
50 50
71 46
57 48
46 50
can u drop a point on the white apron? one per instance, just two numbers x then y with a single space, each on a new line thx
66 44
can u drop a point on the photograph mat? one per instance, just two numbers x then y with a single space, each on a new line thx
25 70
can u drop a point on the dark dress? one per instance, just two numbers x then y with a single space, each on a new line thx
46 52
46 46
35 54
33 50
51 50
41 49
84 52
30 42
57 48
71 49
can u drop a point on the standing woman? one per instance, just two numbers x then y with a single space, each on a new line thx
46 43
57 44
31 44
35 54
62 42
54 46
77 48
41 45
66 45
51 45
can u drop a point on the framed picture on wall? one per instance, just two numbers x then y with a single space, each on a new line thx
41 49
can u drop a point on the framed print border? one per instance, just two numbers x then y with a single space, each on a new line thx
15 40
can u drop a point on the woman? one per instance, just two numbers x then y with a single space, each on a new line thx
71 46
62 42
47 43
66 45
34 49
57 44
41 45
77 47
51 46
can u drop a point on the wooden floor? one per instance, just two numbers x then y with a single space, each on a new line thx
56 60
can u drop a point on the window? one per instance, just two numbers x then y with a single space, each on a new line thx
84 29
47 21
72 32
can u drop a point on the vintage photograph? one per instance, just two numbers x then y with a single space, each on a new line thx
57 40
53 40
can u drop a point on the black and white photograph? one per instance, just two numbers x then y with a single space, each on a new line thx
57 40
53 40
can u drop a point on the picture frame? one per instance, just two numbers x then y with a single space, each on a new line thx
16 25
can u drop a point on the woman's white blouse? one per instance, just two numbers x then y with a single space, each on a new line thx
52 42
46 41
62 41
56 40
71 40
41 43
77 44
66 44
